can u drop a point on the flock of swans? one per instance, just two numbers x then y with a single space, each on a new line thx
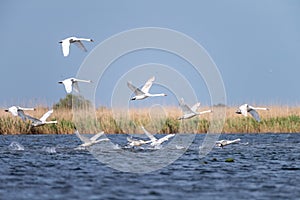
71 84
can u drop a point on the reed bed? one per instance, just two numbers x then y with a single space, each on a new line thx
279 119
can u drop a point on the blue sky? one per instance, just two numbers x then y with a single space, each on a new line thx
255 45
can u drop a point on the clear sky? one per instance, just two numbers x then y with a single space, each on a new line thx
254 43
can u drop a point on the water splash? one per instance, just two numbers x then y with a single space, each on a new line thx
15 146
49 149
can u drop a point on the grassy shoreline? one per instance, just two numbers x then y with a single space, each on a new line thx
282 119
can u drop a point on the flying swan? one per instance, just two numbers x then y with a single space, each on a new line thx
71 83
154 141
222 143
14 110
90 141
77 41
144 92
190 112
37 122
245 108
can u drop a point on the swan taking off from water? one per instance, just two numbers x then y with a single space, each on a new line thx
71 83
14 110
136 143
90 141
144 92
37 122
222 143
78 41
190 112
245 108
154 141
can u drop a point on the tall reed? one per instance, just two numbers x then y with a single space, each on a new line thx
276 120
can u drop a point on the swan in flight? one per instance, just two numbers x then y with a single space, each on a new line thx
14 110
222 143
154 141
71 83
245 108
190 112
37 122
90 141
78 41
144 92
136 143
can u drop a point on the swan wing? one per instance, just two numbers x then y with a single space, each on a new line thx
149 135
195 107
46 115
65 47
68 85
81 137
95 137
166 138
24 117
255 115
136 90
80 45
148 85
244 109
75 86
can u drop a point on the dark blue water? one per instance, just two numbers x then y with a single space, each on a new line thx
266 166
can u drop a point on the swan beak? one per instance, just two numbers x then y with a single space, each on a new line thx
92 40
6 110
133 98
60 42
60 82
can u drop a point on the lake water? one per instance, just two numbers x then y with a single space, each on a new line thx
266 166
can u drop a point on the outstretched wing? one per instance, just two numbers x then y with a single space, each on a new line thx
24 116
95 137
195 107
68 85
244 109
80 45
185 108
81 137
46 115
148 85
149 135
75 86
65 47
136 90
255 115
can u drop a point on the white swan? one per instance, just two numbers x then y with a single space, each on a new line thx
90 141
37 122
222 143
78 41
144 92
190 112
71 83
154 141
136 143
14 110
245 108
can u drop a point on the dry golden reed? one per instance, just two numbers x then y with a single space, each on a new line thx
279 119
